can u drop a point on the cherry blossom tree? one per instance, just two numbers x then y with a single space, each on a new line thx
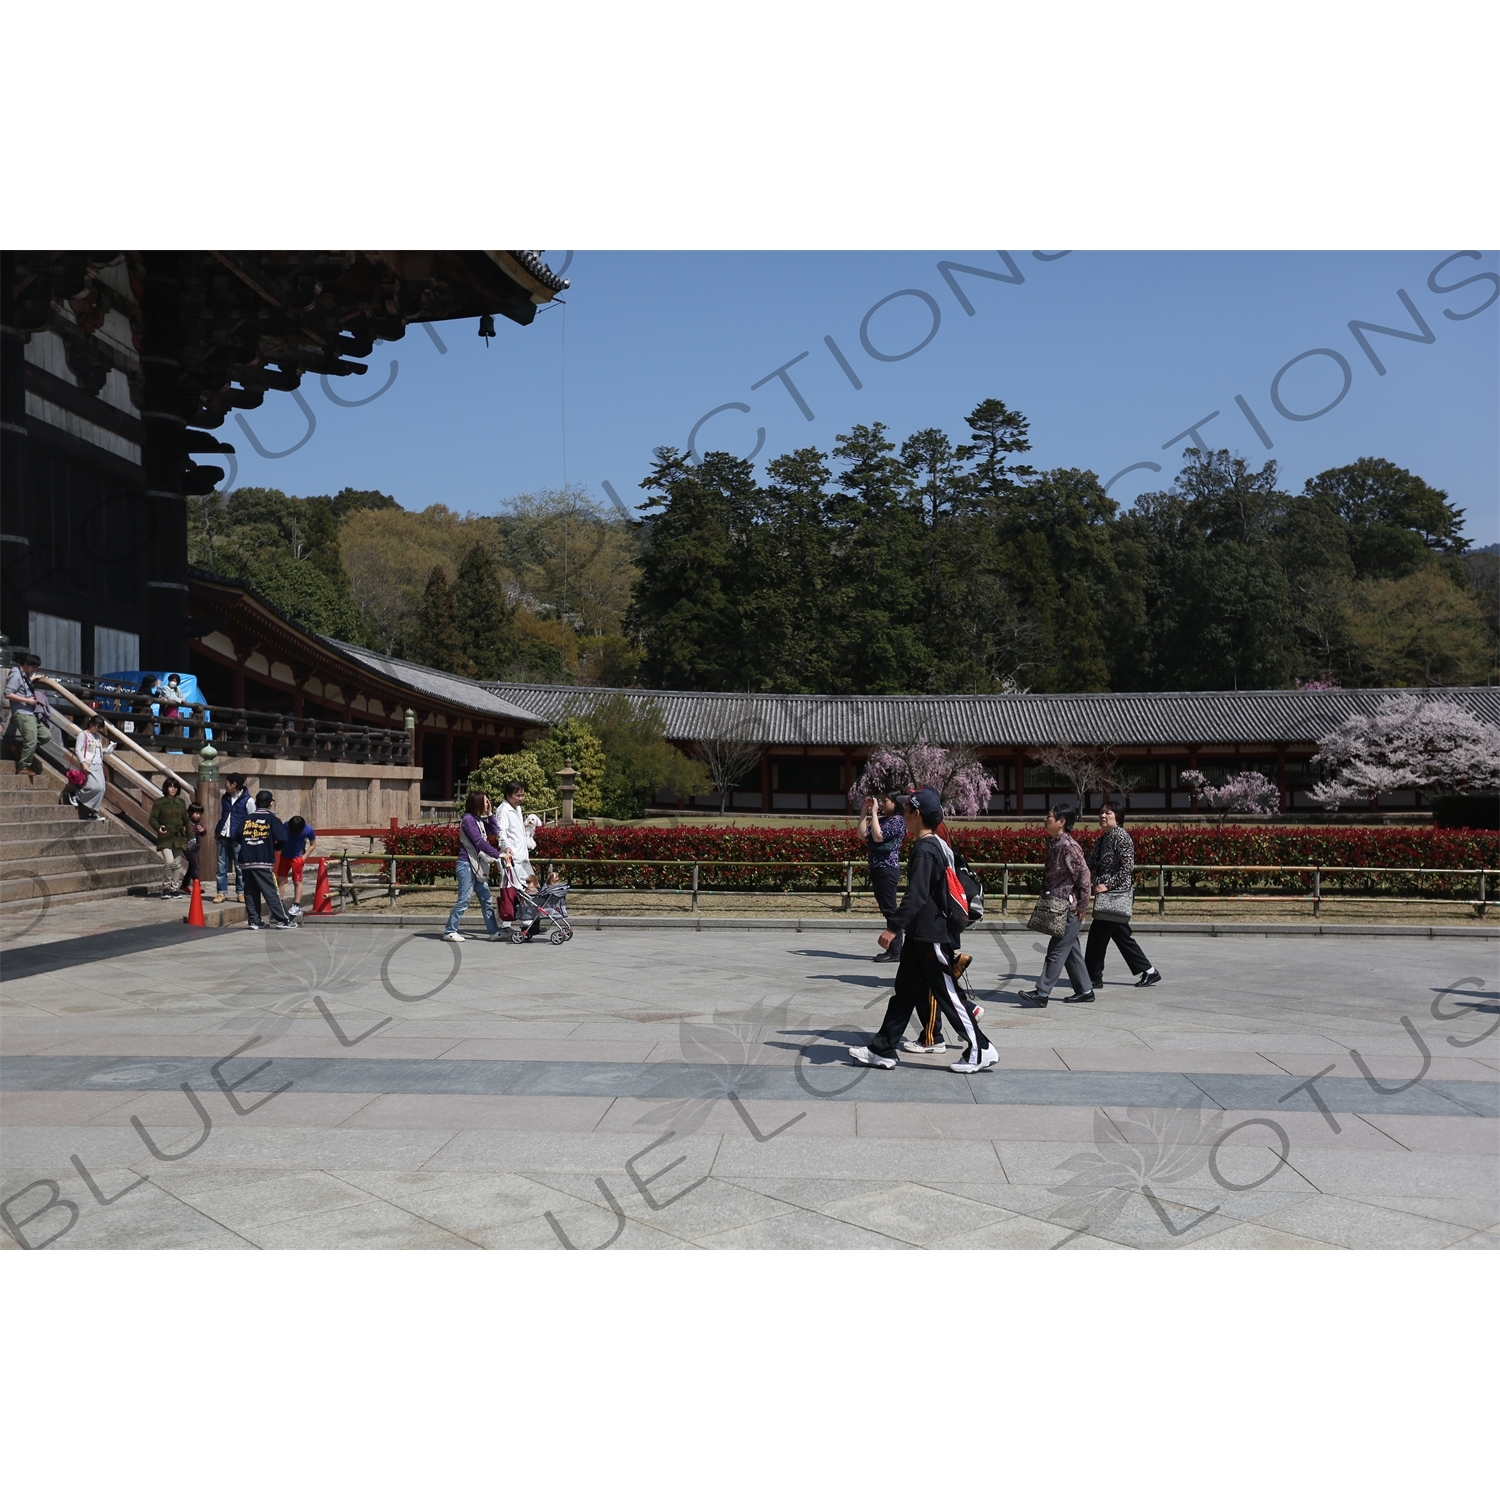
956 774
1090 768
1249 792
729 747
1407 744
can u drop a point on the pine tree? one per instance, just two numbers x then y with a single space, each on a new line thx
686 602
437 641
486 622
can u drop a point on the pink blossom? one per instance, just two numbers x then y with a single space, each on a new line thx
1408 743
1249 792
957 776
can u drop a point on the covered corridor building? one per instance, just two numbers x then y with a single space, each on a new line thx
813 748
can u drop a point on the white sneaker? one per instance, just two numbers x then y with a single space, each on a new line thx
454 937
294 910
868 1059
987 1059
911 1044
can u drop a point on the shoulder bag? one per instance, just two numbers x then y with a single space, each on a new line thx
1114 906
507 901
1050 915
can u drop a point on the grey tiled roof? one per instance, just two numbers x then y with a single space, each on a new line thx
1005 719
533 262
462 692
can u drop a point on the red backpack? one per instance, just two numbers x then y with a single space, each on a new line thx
962 902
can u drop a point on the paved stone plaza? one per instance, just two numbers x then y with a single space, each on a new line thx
641 1089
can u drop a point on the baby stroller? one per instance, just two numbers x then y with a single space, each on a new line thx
549 904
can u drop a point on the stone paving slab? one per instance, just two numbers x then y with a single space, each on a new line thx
580 1097
921 1082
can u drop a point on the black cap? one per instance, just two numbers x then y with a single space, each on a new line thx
927 802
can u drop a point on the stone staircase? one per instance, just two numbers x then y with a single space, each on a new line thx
50 857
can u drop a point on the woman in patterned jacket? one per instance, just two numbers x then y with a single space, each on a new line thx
1112 868
1066 875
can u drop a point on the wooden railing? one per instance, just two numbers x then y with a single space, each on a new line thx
1304 884
185 728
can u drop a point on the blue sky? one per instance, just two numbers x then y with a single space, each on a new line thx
1109 354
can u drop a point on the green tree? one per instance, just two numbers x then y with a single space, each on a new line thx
539 661
1396 520
1219 609
486 622
638 761
1482 575
348 501
609 661
574 743
882 643
685 605
437 641
996 433
284 546
492 773
304 593
570 558
795 588
1421 630
1054 549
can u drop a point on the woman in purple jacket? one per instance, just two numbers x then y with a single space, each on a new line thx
1066 875
478 844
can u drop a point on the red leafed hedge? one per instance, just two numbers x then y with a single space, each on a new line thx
582 849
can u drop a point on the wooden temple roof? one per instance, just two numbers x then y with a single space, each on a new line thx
233 324
231 608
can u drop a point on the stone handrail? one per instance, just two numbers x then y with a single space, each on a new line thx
88 712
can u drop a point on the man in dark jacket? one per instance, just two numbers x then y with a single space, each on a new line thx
261 835
926 966
234 804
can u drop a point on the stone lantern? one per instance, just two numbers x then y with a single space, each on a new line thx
567 778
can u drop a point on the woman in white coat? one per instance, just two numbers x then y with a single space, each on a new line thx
513 833
87 755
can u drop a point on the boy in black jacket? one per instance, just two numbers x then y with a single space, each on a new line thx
927 954
262 835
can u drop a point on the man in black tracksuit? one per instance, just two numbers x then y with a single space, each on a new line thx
926 966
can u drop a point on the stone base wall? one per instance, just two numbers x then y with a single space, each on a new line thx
328 794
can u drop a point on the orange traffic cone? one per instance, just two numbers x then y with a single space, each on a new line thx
322 901
194 917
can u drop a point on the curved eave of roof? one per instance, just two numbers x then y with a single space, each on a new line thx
462 692
457 692
1267 716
